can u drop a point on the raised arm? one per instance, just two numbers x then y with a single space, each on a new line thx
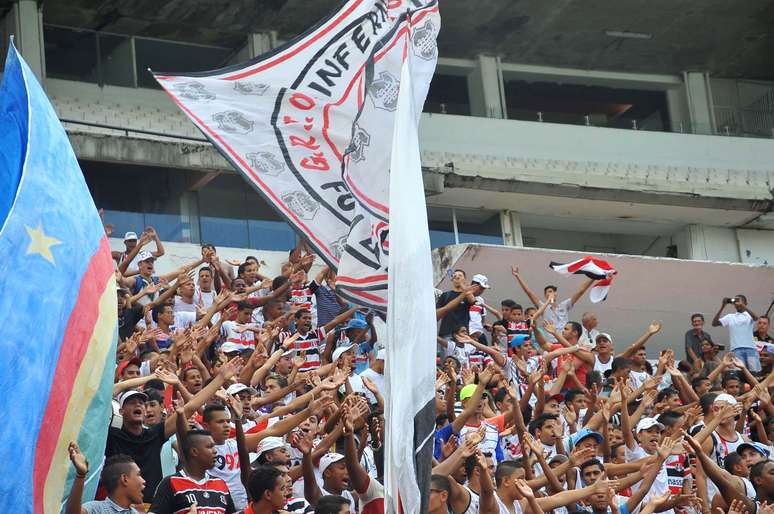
716 320
473 402
653 329
466 295
532 296
581 291
341 318
357 473
81 466
496 355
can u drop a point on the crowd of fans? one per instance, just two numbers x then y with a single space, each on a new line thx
237 391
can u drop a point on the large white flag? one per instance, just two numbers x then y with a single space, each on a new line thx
411 323
310 126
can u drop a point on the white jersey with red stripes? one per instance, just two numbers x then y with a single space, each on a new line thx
304 298
313 343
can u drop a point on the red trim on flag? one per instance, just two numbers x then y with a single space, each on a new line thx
299 48
352 280
75 343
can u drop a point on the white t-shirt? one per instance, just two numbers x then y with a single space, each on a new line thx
227 468
558 316
476 313
660 485
589 337
503 509
377 379
204 299
235 340
461 353
740 329
637 378
602 366
181 306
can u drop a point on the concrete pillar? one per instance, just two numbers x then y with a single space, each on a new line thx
709 243
485 87
679 115
700 104
189 216
26 24
511 228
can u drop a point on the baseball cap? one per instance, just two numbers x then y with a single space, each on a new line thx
467 391
238 388
381 354
129 236
584 433
268 444
339 351
558 397
481 280
289 353
519 339
229 347
647 424
328 459
128 394
758 447
125 363
725 397
144 256
604 336
559 457
356 323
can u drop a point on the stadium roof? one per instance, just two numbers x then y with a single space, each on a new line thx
729 39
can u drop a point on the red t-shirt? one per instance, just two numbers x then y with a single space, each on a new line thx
581 369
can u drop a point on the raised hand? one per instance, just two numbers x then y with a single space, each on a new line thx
515 271
524 489
549 327
654 327
579 456
369 384
79 461
230 369
449 447
235 405
233 262
166 376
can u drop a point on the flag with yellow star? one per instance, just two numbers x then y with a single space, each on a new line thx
58 317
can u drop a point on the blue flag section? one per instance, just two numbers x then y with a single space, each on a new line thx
58 311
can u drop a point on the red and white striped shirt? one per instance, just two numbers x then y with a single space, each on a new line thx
312 343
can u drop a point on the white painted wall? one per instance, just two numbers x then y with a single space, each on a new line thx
756 247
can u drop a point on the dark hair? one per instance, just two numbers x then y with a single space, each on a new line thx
614 449
576 327
301 312
550 286
241 269
157 310
185 371
571 394
278 282
282 381
591 462
541 420
188 441
460 271
500 395
153 395
508 303
262 479
728 376
458 328
620 363
517 307
697 315
441 482
764 317
697 381
669 418
209 409
205 268
743 297
208 245
154 384
330 504
251 258
115 467
505 469
244 305
593 377
706 400
665 393
731 460
757 470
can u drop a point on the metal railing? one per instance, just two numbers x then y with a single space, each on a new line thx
127 130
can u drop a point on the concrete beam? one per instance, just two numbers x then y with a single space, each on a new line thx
454 180
129 150
485 87
700 103
590 77
27 23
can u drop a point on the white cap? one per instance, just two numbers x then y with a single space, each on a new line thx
234 389
481 280
647 424
725 397
268 444
229 347
128 394
129 236
381 354
144 256
328 459
339 351
289 353
605 335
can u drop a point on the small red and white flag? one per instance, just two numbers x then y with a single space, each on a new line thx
594 268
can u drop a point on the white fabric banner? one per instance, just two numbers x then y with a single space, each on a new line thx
310 126
411 323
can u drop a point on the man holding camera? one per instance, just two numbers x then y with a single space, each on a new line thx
740 331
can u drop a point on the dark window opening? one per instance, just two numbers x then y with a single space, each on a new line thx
448 94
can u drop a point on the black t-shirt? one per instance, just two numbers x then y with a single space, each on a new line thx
128 319
455 317
176 493
145 449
